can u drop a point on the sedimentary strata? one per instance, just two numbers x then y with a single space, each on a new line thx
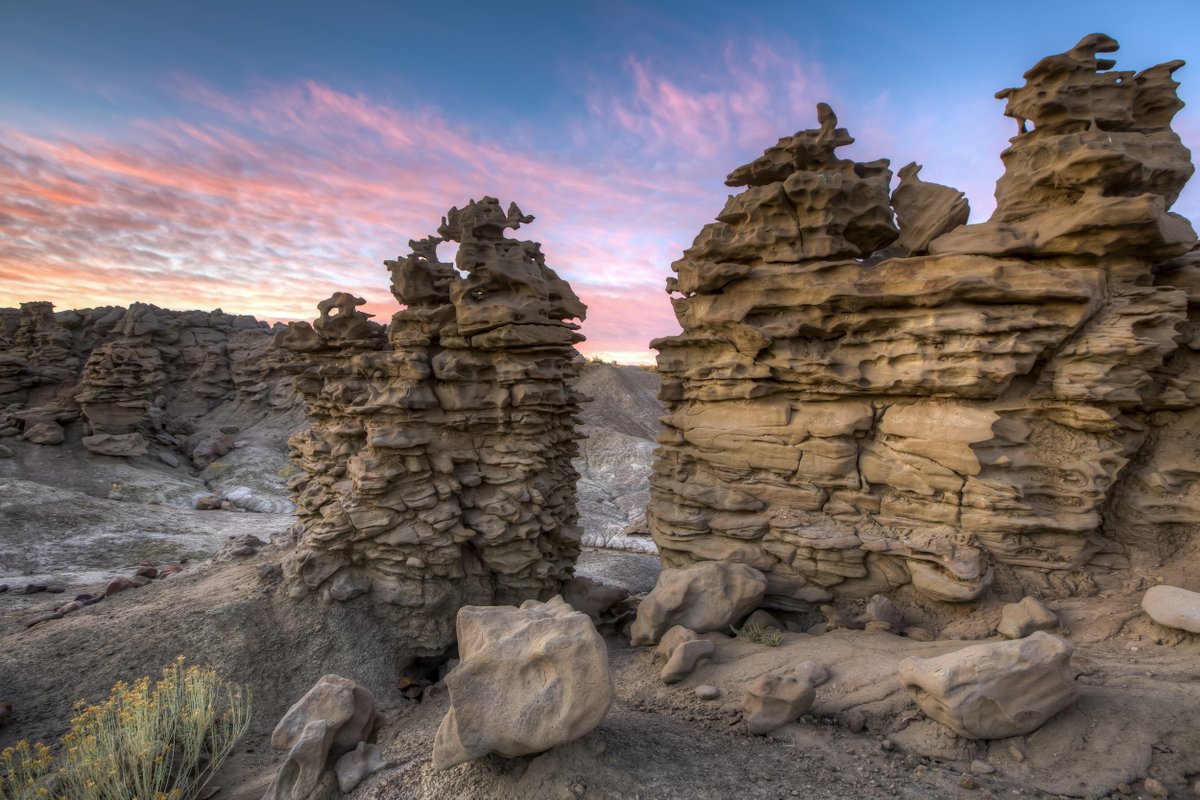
853 407
133 381
437 470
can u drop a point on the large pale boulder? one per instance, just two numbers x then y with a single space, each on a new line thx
530 678
709 596
995 690
1173 607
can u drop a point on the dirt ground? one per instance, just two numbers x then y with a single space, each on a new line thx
865 738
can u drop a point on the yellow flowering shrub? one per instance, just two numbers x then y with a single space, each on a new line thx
146 742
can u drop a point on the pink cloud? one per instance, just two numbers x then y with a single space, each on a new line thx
265 203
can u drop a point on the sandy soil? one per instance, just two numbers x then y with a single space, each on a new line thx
1136 716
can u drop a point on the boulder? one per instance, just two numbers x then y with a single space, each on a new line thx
1173 607
1018 620
994 690
332 719
880 609
780 697
709 596
529 679
598 600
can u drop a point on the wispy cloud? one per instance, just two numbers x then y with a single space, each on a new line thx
266 202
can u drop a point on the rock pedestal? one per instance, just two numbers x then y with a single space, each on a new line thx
960 408
437 469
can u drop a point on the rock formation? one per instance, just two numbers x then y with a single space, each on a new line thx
782 696
709 596
531 678
437 470
853 408
135 380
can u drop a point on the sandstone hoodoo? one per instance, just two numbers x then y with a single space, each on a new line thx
852 407
437 469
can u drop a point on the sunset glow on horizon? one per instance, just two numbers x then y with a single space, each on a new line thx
261 169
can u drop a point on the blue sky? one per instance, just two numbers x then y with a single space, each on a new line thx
258 156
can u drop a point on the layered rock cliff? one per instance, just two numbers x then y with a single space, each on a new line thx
853 407
438 468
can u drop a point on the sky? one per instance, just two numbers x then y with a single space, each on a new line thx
257 157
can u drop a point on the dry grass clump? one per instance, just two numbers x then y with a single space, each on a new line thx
160 742
753 633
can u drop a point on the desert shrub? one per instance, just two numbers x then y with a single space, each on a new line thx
23 771
146 742
753 633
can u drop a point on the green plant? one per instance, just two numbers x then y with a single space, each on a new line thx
753 633
160 742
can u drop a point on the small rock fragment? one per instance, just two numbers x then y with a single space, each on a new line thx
34 588
1016 753
672 639
882 609
966 782
358 764
981 768
685 658
763 620
919 634
706 692
1154 787
117 585
1018 620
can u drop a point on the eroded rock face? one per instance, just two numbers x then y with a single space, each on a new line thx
137 378
437 471
531 678
993 691
965 415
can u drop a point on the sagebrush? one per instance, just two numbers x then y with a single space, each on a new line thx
146 742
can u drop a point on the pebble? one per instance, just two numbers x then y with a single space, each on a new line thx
707 692
1016 753
34 588
981 768
3 588
117 584
1154 787
856 722
74 605
918 634
966 782
139 581
1124 788
147 572
55 589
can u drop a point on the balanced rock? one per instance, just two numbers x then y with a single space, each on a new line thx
437 470
850 415
993 691
332 718
529 679
1018 620
781 697
709 596
1173 607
